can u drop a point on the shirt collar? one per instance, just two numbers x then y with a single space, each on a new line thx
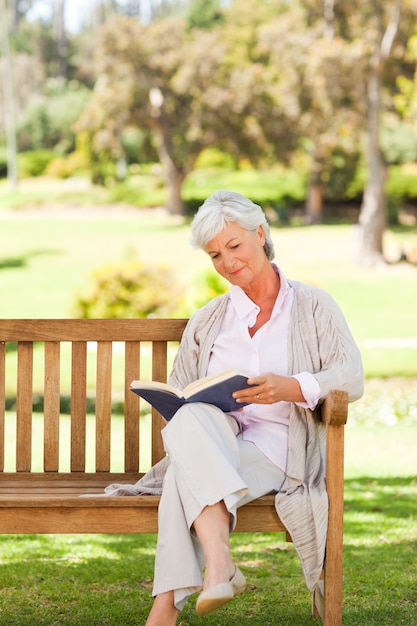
247 311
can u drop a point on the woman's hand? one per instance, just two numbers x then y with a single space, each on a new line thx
270 388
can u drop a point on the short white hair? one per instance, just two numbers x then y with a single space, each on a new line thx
223 207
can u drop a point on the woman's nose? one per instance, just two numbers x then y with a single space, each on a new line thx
229 260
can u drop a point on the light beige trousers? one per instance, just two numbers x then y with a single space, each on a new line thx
209 462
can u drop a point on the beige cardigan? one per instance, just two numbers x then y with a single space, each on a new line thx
321 343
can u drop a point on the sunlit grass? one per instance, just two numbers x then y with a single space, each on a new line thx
47 258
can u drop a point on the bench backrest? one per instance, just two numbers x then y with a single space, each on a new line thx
81 359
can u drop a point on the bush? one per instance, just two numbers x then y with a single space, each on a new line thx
212 157
3 163
65 167
129 289
402 181
209 286
34 163
277 188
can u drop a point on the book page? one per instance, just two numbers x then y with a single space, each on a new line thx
208 381
154 384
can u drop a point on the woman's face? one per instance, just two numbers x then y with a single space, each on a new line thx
238 254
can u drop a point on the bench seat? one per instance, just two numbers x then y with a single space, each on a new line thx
51 503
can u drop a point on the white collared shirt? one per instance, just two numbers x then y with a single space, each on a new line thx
266 425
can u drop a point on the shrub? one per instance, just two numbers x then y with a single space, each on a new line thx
129 289
34 163
3 163
212 157
402 181
209 286
64 167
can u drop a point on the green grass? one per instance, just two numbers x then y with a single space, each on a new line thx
47 257
106 580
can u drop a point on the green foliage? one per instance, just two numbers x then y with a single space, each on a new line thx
402 181
65 167
213 157
129 289
49 121
3 162
144 187
277 188
34 163
204 14
209 285
340 174
399 142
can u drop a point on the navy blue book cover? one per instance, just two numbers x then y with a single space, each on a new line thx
218 393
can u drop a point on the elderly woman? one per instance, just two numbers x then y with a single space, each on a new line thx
292 342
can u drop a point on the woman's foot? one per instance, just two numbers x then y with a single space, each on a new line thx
215 597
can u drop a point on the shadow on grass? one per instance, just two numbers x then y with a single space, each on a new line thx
389 497
19 262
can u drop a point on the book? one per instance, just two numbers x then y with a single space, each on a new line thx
215 389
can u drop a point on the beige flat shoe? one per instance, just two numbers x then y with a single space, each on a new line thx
219 595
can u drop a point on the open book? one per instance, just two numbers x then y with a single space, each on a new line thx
215 389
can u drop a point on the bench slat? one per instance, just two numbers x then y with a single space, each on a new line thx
103 405
2 400
91 329
132 407
51 406
24 406
159 372
49 512
78 405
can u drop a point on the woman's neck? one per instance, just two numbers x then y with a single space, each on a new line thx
265 289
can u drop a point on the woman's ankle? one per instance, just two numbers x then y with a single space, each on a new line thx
163 611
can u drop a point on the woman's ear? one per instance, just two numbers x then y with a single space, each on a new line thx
261 234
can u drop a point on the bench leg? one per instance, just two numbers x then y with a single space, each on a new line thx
327 599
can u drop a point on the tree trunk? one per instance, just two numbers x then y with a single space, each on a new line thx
174 173
372 217
175 203
373 214
9 103
61 40
314 202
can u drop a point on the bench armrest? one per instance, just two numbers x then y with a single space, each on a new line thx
334 409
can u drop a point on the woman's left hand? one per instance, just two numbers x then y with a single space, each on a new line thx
269 388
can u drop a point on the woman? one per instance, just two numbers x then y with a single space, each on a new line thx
293 343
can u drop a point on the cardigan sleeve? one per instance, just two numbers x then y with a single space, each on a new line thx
321 334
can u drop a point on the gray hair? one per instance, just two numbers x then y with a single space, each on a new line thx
223 207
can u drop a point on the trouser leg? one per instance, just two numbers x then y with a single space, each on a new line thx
208 463
179 558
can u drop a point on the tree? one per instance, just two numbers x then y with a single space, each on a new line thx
137 67
314 75
380 30
60 37
9 99
372 218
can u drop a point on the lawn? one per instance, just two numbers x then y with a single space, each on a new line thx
47 256
105 580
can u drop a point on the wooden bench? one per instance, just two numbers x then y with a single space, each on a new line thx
46 499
